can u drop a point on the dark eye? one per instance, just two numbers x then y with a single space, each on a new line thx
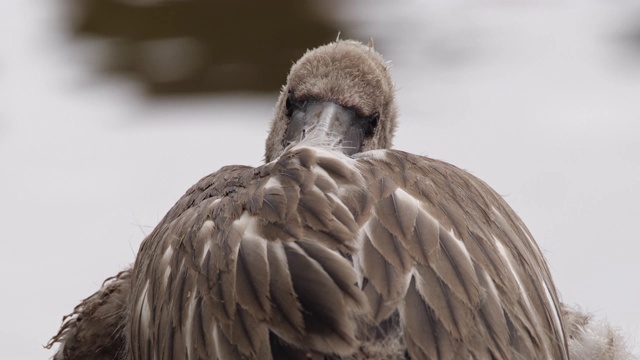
372 123
293 104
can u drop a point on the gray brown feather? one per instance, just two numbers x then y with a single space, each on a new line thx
318 255
94 329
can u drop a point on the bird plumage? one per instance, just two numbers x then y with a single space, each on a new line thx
317 250
94 330
321 255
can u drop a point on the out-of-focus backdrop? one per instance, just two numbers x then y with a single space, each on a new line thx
110 110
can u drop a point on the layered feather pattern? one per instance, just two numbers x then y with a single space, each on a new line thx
317 254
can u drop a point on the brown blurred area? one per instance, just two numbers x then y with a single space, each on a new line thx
200 46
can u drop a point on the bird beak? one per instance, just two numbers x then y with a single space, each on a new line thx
325 123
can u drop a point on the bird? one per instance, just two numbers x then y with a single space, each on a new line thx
337 247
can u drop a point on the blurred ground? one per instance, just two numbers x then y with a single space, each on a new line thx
538 99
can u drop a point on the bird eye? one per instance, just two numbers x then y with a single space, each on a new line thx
372 123
293 104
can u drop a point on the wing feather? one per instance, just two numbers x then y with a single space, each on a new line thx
286 311
389 281
380 309
318 251
252 277
339 270
388 247
478 281
454 266
203 346
274 208
398 213
437 296
224 348
359 203
248 335
424 240
326 318
420 332
261 253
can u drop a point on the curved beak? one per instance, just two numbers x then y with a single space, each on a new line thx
325 123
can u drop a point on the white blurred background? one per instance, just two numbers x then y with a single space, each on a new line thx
540 99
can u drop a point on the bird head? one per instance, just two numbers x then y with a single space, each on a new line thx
339 95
